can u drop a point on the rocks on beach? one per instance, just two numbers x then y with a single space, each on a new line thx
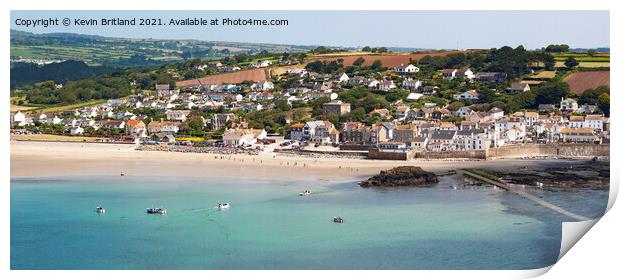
411 176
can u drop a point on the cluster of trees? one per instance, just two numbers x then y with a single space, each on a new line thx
325 67
245 57
100 87
512 61
274 121
375 50
362 102
324 50
557 48
200 52
453 60
194 126
516 62
571 62
28 73
358 67
599 96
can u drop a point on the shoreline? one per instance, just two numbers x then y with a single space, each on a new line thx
58 159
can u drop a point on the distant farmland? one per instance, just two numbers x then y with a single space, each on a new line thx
581 81
388 60
254 75
586 61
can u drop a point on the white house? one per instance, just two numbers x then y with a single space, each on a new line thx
531 118
298 71
576 121
453 73
467 95
262 86
496 113
260 64
386 85
177 115
371 83
514 134
463 111
243 137
410 83
18 117
448 73
342 78
569 104
76 130
320 131
414 96
466 72
159 126
115 103
594 122
472 139
402 69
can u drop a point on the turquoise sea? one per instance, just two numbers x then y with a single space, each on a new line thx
269 226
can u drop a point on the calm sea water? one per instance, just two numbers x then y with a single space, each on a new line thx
54 225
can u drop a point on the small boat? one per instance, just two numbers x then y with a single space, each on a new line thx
100 210
155 211
122 173
338 220
304 193
223 205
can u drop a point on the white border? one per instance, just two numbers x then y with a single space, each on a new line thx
598 257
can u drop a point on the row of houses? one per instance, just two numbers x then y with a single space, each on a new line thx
479 131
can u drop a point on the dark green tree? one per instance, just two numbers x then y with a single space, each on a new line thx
571 62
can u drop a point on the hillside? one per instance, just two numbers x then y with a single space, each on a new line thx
580 81
26 73
254 75
387 60
97 50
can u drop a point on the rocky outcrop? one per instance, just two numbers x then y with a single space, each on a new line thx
406 176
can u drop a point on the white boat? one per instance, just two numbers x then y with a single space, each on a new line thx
100 210
223 205
304 193
338 220
155 211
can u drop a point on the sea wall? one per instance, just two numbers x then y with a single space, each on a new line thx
563 150
355 147
474 154
382 155
318 153
523 150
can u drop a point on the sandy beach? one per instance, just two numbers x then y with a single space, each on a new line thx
47 159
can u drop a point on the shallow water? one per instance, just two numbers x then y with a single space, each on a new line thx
54 225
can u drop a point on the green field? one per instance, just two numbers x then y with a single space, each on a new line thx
585 64
45 108
90 55
583 57
585 60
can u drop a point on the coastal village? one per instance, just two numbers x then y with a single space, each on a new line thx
167 116
272 153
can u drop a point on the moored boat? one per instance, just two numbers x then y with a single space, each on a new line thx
304 193
155 211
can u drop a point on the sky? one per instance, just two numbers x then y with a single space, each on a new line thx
412 29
